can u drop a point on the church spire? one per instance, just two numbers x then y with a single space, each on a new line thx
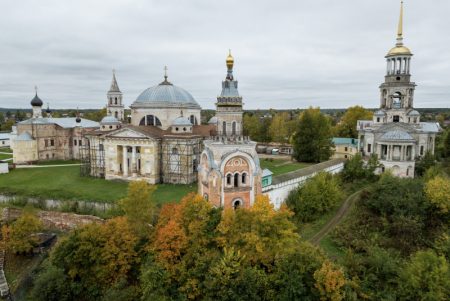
114 85
400 27
230 63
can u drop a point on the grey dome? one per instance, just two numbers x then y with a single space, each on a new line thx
36 101
213 120
182 121
109 119
166 95
396 135
413 113
380 113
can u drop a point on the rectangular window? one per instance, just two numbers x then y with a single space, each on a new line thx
369 148
75 142
421 150
46 142
79 143
100 147
346 148
396 118
52 142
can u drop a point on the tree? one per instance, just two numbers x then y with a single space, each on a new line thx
437 191
281 128
260 233
20 236
424 163
355 169
318 195
312 140
330 282
347 125
139 207
52 285
425 277
251 126
98 256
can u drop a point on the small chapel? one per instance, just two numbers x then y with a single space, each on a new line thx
396 134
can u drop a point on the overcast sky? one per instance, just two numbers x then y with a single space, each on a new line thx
288 54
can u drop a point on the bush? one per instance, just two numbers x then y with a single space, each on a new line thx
317 196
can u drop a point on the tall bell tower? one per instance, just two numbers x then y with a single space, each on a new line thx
397 91
229 104
115 107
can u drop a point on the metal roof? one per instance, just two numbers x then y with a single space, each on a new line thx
65 122
432 127
166 95
345 141
396 135
25 136
5 136
110 119
181 121
266 172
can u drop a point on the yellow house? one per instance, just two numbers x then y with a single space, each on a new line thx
344 147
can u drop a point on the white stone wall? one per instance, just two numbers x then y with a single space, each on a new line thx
24 151
165 115
4 167
279 192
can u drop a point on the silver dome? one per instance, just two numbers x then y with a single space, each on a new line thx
166 95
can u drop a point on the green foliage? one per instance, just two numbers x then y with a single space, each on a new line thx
312 140
317 196
425 277
20 236
139 207
51 285
356 170
347 125
424 163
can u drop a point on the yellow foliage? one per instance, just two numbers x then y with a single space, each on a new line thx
330 281
437 191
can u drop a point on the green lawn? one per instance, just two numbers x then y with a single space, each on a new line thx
65 183
5 156
280 166
58 162
5 150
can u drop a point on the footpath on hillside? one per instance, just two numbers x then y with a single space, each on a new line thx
337 218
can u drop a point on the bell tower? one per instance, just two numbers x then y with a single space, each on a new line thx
229 104
397 91
115 107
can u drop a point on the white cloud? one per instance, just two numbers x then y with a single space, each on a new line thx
289 54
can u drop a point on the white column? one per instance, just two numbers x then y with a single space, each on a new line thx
125 161
133 160
400 69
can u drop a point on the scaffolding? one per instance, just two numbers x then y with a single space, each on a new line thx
179 159
92 157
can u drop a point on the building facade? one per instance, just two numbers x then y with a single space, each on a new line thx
41 139
161 145
344 148
229 175
396 134
115 106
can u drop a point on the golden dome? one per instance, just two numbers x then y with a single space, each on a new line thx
230 60
399 50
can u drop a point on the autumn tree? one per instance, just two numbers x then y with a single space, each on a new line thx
437 191
312 140
251 126
330 282
20 236
281 128
318 195
260 233
347 125
98 256
139 206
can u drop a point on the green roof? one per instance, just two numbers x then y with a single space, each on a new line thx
345 141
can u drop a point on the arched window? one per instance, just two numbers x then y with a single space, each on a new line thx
205 196
174 151
115 101
233 128
244 178
224 128
150 120
397 100
193 120
237 203
236 180
116 114
228 179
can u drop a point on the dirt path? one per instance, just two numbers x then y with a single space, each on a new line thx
342 212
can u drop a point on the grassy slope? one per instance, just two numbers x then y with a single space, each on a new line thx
65 183
279 166
5 156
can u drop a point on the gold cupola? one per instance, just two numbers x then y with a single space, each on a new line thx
230 60
399 48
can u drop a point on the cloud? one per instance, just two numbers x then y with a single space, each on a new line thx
289 54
